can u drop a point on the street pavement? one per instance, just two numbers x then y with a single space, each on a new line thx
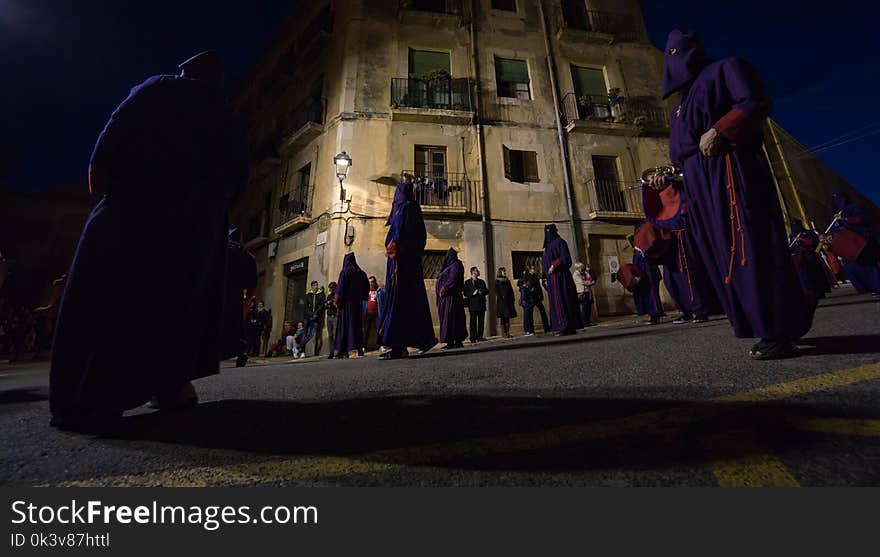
623 404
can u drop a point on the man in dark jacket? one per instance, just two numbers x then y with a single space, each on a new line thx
258 319
315 299
531 298
475 293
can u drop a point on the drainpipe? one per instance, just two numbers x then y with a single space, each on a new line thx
488 238
551 68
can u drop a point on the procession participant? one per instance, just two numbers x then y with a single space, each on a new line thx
352 289
475 293
406 318
373 314
564 311
241 275
505 301
810 269
172 145
852 241
735 220
647 295
450 303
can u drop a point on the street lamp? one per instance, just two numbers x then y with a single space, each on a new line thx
343 163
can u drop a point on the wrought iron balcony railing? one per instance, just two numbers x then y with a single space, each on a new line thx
441 93
313 112
643 112
448 190
574 15
293 205
452 7
611 196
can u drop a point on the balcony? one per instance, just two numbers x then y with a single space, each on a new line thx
614 200
293 211
302 126
429 12
596 114
439 101
316 34
449 194
576 23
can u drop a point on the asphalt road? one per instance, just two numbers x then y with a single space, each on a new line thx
619 405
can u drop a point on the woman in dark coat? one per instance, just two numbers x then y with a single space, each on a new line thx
505 301
565 313
352 289
406 319
450 302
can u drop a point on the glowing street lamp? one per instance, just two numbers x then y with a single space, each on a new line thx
343 163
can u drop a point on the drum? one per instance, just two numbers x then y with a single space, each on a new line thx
850 245
655 243
630 277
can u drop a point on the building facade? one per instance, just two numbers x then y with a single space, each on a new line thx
510 113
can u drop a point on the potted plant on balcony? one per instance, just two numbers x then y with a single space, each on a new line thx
438 83
616 100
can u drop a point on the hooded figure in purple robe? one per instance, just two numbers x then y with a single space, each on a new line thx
863 272
734 216
647 294
406 319
168 164
450 301
565 314
803 244
685 276
352 290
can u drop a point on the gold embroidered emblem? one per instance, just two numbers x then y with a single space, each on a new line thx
678 111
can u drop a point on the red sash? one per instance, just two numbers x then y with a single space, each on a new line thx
655 242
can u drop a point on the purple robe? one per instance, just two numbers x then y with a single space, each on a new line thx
809 266
734 217
174 159
565 314
406 319
352 290
864 274
450 301
647 295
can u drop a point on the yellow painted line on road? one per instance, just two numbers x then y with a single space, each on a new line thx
840 426
652 422
753 466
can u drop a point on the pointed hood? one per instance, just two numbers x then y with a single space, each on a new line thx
349 263
550 233
684 57
451 258
403 194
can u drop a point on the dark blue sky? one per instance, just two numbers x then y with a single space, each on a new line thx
66 64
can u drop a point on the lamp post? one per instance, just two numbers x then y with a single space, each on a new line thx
343 163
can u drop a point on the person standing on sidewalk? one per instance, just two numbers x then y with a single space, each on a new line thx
583 284
315 299
564 311
331 311
257 320
352 290
505 303
450 302
475 293
373 314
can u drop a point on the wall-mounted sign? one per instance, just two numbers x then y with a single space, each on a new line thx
321 239
613 263
296 267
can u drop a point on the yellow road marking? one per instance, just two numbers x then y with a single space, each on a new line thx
841 426
753 467
657 421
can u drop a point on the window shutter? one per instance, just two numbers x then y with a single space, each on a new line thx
530 166
507 172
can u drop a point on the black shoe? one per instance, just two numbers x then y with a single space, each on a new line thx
773 350
241 360
393 355
88 422
565 333
701 319
426 348
449 346
361 352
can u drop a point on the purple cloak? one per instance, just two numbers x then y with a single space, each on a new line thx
352 289
406 319
565 313
450 302
734 217
174 159
647 296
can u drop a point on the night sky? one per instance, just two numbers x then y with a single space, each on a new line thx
66 64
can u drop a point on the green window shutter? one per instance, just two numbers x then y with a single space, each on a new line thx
516 71
530 166
589 81
507 173
422 62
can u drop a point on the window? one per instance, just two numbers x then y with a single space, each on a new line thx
608 193
295 201
423 62
507 5
430 161
523 260
591 92
432 263
520 166
512 77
